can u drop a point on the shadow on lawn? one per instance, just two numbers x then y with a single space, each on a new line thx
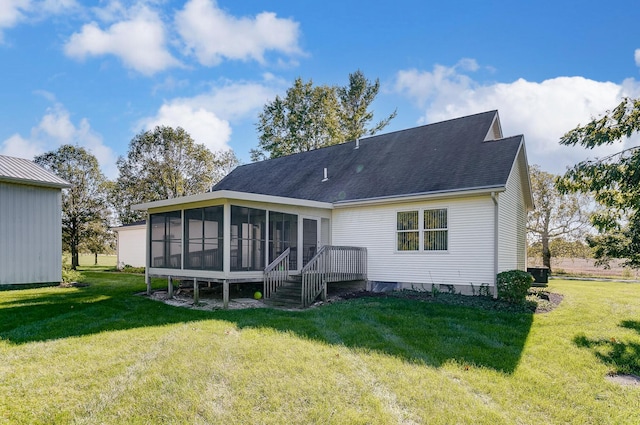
623 357
70 312
422 332
413 330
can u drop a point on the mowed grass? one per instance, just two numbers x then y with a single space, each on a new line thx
101 354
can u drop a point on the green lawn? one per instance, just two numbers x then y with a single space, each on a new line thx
100 354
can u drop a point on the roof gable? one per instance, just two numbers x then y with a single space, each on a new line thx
23 171
452 155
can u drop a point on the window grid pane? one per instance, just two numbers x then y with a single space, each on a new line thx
408 220
408 241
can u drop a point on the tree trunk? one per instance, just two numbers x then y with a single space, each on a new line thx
546 253
95 262
75 241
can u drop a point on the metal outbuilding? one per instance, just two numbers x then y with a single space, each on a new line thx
30 223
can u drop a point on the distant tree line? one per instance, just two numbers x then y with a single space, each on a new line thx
161 163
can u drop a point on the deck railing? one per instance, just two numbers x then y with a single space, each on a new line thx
332 264
276 273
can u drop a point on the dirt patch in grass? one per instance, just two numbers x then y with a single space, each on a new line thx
626 380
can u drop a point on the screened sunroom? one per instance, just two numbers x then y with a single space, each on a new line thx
232 236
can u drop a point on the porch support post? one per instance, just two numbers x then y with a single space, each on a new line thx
170 287
196 291
225 294
324 291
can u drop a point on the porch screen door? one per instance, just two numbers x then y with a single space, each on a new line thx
309 239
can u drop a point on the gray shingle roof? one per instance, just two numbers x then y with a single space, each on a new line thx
446 156
20 170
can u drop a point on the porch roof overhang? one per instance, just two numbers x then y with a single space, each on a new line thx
231 195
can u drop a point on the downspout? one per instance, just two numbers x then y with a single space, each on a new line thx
494 197
147 260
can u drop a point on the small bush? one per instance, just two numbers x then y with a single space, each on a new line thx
513 286
131 269
68 274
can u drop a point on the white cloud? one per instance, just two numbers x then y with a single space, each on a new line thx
203 126
139 40
208 117
12 12
542 111
637 57
212 35
56 129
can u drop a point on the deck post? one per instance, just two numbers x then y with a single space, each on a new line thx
169 287
225 294
196 291
147 280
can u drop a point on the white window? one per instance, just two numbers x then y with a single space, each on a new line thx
425 230
435 230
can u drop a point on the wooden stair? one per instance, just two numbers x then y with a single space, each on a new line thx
288 295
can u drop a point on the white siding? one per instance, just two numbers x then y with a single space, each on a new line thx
512 216
30 234
132 246
469 259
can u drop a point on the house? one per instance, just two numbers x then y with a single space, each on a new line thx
30 223
439 206
131 248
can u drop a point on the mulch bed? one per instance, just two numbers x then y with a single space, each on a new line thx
538 301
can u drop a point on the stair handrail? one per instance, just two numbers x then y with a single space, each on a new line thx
332 264
314 277
276 273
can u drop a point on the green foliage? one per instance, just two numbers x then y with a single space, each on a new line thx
613 181
556 215
354 102
513 286
69 275
165 163
84 205
310 117
562 248
131 269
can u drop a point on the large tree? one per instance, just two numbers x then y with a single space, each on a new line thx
311 117
555 215
84 204
354 102
165 163
613 181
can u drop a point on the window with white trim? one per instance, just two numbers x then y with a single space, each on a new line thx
422 230
435 230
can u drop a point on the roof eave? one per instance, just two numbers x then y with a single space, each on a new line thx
231 195
30 182
392 199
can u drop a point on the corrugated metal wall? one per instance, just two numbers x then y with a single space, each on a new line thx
30 234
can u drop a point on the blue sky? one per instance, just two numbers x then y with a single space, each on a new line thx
97 73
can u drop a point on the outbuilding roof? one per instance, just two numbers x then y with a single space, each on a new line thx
462 154
23 171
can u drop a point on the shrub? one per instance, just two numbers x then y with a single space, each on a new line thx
513 286
68 274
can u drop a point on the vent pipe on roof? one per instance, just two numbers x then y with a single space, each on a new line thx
357 144
325 175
